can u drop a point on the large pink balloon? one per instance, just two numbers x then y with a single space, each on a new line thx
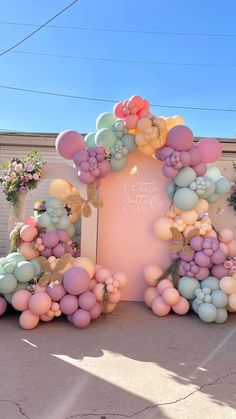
118 110
180 138
210 150
40 303
68 143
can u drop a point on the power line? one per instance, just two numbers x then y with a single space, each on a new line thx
86 28
94 99
38 29
121 60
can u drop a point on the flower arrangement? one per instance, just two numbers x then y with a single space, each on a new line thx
20 175
39 207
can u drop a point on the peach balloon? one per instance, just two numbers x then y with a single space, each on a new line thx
162 227
232 301
230 309
226 235
211 233
28 232
46 317
149 295
114 298
202 205
228 284
20 300
178 119
224 248
182 307
163 285
85 263
40 303
31 220
58 186
28 320
109 308
98 290
27 251
159 307
170 296
232 248
57 313
55 307
121 278
151 273
189 217
38 289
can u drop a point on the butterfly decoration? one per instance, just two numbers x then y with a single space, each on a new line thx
181 243
52 276
83 206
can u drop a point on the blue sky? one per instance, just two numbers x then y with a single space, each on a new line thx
211 87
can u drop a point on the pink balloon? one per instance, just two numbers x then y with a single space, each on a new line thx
144 113
86 177
3 306
31 221
182 307
180 138
160 308
20 300
69 304
56 292
200 169
28 232
210 149
55 307
121 278
170 296
195 156
163 153
164 284
40 303
105 168
96 311
76 281
87 300
63 235
149 296
68 143
202 260
46 317
28 320
115 297
218 257
102 274
81 318
69 318
59 250
50 239
185 158
118 110
27 251
131 121
98 291
169 171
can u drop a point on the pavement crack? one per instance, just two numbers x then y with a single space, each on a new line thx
21 411
153 406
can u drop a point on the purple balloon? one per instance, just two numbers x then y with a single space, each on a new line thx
186 257
202 260
63 235
169 171
87 300
180 138
46 252
68 143
69 304
86 177
200 169
96 311
218 257
219 271
185 158
81 318
196 243
69 318
203 273
80 157
56 292
76 281
59 250
163 153
195 156
104 167
50 239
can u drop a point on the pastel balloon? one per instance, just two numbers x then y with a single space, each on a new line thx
68 142
185 199
86 264
131 121
102 274
232 301
181 307
46 317
211 282
160 308
7 283
16 256
200 168
149 295
24 271
28 320
117 165
69 304
189 217
81 318
129 142
105 137
27 251
121 278
219 298
180 138
28 232
46 253
221 316
161 228
90 139
202 274
222 185
118 110
40 303
195 156
31 220
56 292
98 290
218 257
151 273
213 172
163 153
50 239
3 306
228 284
170 296
185 177
187 287
213 198
105 120
163 285
20 300
202 205
226 235
169 171
232 248
76 281
115 297
58 187
207 312
87 300
210 150
96 311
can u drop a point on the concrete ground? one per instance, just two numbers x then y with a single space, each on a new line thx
128 365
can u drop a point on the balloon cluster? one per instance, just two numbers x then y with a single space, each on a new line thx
56 217
55 243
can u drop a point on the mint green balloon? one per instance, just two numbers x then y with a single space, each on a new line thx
222 185
7 283
187 287
77 226
117 165
209 191
221 316
9 267
185 177
24 271
213 173
64 222
18 287
219 299
105 120
185 199
170 189
210 282
15 256
53 202
195 306
90 139
207 312
44 220
71 230
105 137
129 141
36 267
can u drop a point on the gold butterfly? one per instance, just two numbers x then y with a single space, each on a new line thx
83 206
52 276
181 243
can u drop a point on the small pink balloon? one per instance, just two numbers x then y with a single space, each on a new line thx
28 232
56 292
164 284
50 239
182 306
96 311
185 158
98 290
102 275
32 221
55 307
149 295
81 318
46 317
20 300
131 121
40 303
121 278
76 281
224 248
3 306
195 156
210 149
118 110
69 318
169 171
68 143
160 308
69 304
219 271
163 153
226 235
28 320
170 296
114 298
63 235
180 138
87 300
200 169
218 257
59 250
202 260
